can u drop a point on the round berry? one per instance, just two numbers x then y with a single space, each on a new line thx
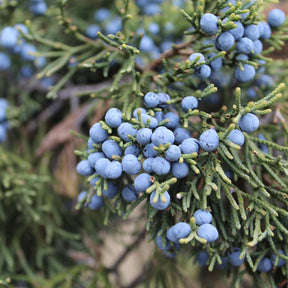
113 117
143 136
100 166
162 135
265 30
113 25
245 75
163 99
258 47
129 193
8 37
159 243
264 265
160 205
151 9
151 100
149 151
131 165
202 217
208 232
154 28
209 140
142 182
160 166
244 45
180 135
180 170
113 170
173 153
237 137
84 168
224 41
196 55
216 64
96 202
110 148
242 57
147 45
126 129
97 133
237 32
249 123
252 32
102 14
132 149
189 102
178 231
92 30
234 257
153 123
93 157
276 18
111 190
203 72
189 145
147 165
209 24
173 120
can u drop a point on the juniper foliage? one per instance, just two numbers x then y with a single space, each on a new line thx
133 49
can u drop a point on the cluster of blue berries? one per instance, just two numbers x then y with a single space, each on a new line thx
248 123
149 149
235 259
203 71
206 230
247 40
178 233
3 120
151 146
13 43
